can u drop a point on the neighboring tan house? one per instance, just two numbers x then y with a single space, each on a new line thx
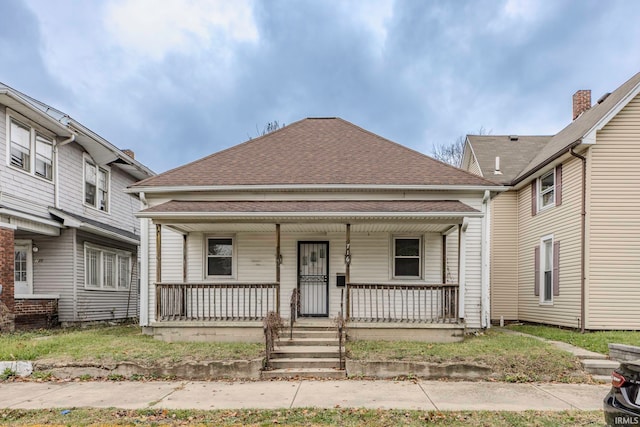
566 236
358 224
68 232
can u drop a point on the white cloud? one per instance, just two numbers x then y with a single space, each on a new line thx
372 16
153 29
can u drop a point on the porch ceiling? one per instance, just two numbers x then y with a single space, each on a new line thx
424 227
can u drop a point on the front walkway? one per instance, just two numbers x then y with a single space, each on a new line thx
419 395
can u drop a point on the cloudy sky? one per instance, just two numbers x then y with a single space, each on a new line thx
176 80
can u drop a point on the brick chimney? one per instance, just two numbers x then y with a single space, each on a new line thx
581 102
131 154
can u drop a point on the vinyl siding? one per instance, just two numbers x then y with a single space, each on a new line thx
95 305
614 223
564 223
21 190
474 167
504 256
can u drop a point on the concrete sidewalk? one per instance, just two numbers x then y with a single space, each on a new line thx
423 395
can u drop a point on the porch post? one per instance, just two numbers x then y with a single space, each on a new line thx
7 291
158 253
278 261
347 260
444 259
462 228
184 258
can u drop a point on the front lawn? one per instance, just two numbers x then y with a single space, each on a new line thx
595 341
298 417
512 358
114 344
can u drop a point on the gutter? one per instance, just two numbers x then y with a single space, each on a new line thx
583 230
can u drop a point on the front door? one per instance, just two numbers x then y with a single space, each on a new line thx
313 278
21 269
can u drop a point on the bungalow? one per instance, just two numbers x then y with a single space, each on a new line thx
565 236
351 222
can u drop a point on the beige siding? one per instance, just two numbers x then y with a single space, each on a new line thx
474 167
563 222
504 256
614 220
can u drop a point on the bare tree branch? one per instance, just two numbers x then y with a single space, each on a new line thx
452 153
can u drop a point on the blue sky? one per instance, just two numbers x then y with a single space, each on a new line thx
178 80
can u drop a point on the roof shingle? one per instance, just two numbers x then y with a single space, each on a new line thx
316 151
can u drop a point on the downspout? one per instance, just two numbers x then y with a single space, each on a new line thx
74 264
583 230
56 185
484 272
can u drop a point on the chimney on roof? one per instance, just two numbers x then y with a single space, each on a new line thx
129 152
581 102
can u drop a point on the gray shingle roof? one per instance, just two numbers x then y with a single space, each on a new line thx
514 155
324 151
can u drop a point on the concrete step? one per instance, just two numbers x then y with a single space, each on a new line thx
603 379
599 367
304 373
306 362
309 334
306 351
308 342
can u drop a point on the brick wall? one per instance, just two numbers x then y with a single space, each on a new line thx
36 313
6 279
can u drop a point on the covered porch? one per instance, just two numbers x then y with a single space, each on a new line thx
385 266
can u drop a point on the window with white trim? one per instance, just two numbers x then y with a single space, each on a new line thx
546 255
96 186
24 141
220 252
407 255
107 269
546 190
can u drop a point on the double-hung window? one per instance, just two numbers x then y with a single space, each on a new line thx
220 254
407 257
547 270
96 186
106 268
24 142
546 190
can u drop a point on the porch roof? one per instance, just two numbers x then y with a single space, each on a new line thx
330 210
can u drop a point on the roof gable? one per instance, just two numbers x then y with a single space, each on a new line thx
316 151
515 154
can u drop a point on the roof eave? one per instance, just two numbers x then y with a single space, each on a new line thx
303 187
284 215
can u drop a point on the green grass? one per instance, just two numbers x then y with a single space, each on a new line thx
512 358
298 417
116 344
595 341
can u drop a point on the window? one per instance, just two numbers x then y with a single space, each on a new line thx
25 141
20 146
44 157
546 190
547 271
96 186
107 269
406 257
220 256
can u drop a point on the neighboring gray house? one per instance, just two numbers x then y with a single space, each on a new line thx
68 233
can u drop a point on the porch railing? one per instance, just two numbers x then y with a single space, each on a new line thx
216 301
402 303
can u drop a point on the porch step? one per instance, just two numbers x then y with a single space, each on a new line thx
306 362
308 341
599 367
304 373
306 351
311 333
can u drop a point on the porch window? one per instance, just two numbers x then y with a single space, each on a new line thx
107 269
220 256
96 186
406 257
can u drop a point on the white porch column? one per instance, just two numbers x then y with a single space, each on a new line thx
144 268
462 268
